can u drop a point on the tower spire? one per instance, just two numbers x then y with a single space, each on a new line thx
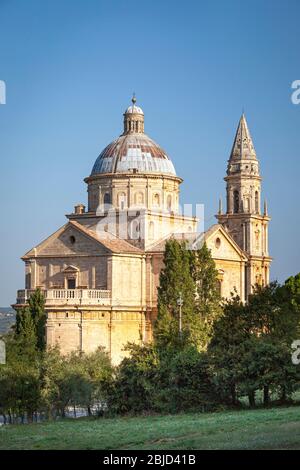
243 219
243 147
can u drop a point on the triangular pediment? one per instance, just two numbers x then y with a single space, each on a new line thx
218 240
69 240
71 269
222 245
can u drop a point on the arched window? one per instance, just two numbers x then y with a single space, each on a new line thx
247 208
134 229
236 201
121 201
106 200
169 202
156 200
257 237
256 202
139 198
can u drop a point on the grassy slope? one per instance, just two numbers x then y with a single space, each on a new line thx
260 429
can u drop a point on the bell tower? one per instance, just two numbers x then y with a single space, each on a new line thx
243 219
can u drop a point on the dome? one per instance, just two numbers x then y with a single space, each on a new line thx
133 151
134 109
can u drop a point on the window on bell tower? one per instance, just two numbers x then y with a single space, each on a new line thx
256 202
236 202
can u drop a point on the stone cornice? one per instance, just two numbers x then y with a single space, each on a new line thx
244 215
245 176
137 175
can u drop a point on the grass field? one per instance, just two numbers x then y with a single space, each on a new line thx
277 428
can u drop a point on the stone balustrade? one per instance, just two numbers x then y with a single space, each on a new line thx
59 297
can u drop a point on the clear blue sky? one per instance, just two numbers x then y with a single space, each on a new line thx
70 67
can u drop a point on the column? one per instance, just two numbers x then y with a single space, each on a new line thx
33 274
93 277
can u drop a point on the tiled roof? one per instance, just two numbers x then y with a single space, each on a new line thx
133 151
194 240
116 245
191 238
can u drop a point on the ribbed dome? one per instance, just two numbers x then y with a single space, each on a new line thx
133 151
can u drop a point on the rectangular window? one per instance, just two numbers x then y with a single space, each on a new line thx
71 284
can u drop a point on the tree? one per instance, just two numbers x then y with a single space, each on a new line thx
275 318
77 379
292 284
175 280
269 368
99 371
291 288
208 299
251 345
134 387
231 340
19 377
27 339
51 367
184 383
35 309
64 382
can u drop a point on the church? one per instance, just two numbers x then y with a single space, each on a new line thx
99 272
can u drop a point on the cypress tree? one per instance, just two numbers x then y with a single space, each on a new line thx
36 312
176 280
208 298
26 337
37 308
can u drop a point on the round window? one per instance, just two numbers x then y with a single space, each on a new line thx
72 239
218 242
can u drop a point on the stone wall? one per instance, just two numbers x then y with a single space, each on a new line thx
87 330
92 272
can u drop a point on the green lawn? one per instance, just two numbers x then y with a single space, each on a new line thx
277 428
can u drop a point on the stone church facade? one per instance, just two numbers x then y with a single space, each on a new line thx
99 273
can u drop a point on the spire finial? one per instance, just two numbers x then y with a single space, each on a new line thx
220 206
265 208
133 99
